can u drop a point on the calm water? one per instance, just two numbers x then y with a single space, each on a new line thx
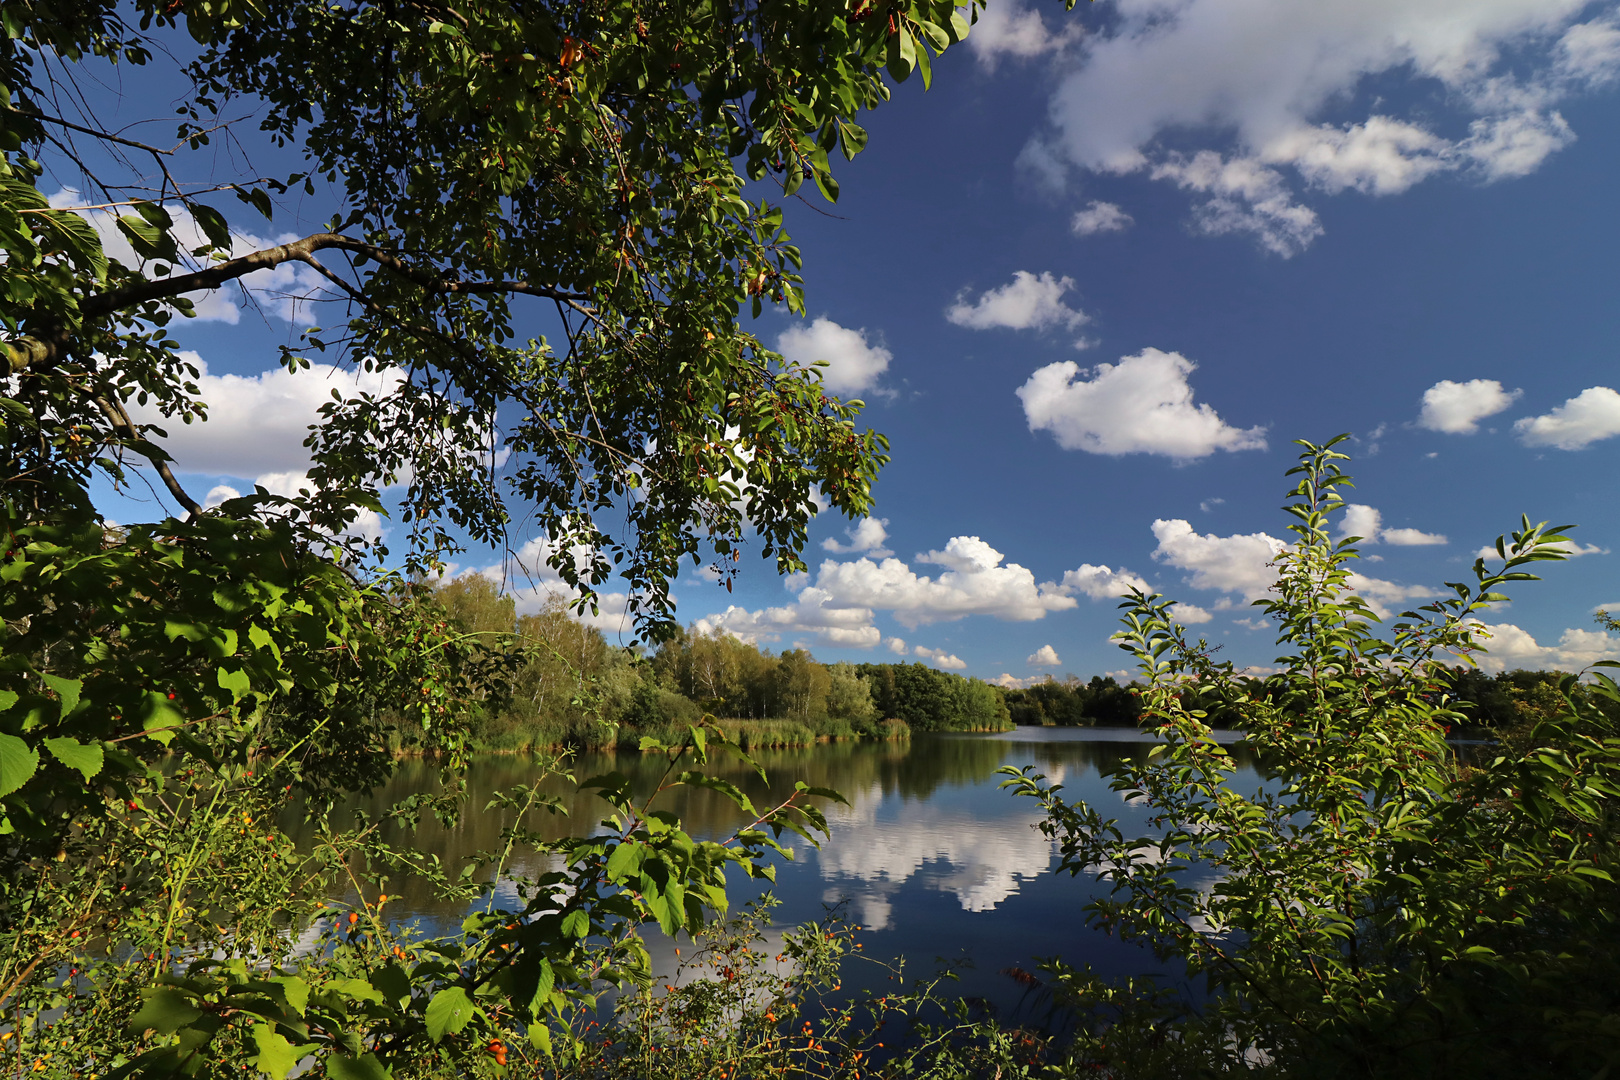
929 858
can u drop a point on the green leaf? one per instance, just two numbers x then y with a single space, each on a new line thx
213 225
157 714
18 762
165 1010
576 923
392 982
255 198
448 1012
276 1055
365 1067
237 682
148 240
66 689
88 759
295 990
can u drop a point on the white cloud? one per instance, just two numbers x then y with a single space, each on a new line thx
1586 418
1368 523
256 423
1013 682
1102 583
816 612
841 604
1456 408
1142 405
1045 656
1510 646
1027 302
1411 537
1100 217
940 657
975 582
853 364
1242 564
1191 614
219 493
1244 196
1591 51
867 535
1253 79
1008 28
1236 564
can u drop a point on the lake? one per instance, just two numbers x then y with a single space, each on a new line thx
930 858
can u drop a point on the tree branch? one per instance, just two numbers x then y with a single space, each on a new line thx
43 351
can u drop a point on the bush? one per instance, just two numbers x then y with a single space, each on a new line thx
1375 909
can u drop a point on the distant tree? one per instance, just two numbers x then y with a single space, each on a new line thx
800 686
849 694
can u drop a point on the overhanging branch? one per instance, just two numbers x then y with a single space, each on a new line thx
44 350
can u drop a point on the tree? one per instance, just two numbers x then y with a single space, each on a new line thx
476 157
1375 908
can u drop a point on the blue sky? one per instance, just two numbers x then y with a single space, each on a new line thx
1094 282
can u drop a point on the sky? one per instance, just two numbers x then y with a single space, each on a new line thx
1094 282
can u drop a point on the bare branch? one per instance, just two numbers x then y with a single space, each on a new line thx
83 130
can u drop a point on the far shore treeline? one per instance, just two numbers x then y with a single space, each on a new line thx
573 688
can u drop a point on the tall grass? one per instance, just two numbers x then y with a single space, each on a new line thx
544 733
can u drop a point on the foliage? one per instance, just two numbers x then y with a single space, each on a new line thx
1073 703
167 689
1375 908
933 700
1512 703
733 1009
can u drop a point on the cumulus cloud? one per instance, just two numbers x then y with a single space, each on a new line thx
1013 682
1191 614
1028 302
816 612
1242 564
1255 80
1141 405
1236 564
1100 217
1510 646
867 535
940 657
1368 523
1103 583
1009 29
839 604
257 424
1456 408
853 365
1045 656
1590 416
974 582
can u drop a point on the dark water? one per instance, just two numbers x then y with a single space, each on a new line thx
930 858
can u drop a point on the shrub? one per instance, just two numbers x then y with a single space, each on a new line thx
1375 908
